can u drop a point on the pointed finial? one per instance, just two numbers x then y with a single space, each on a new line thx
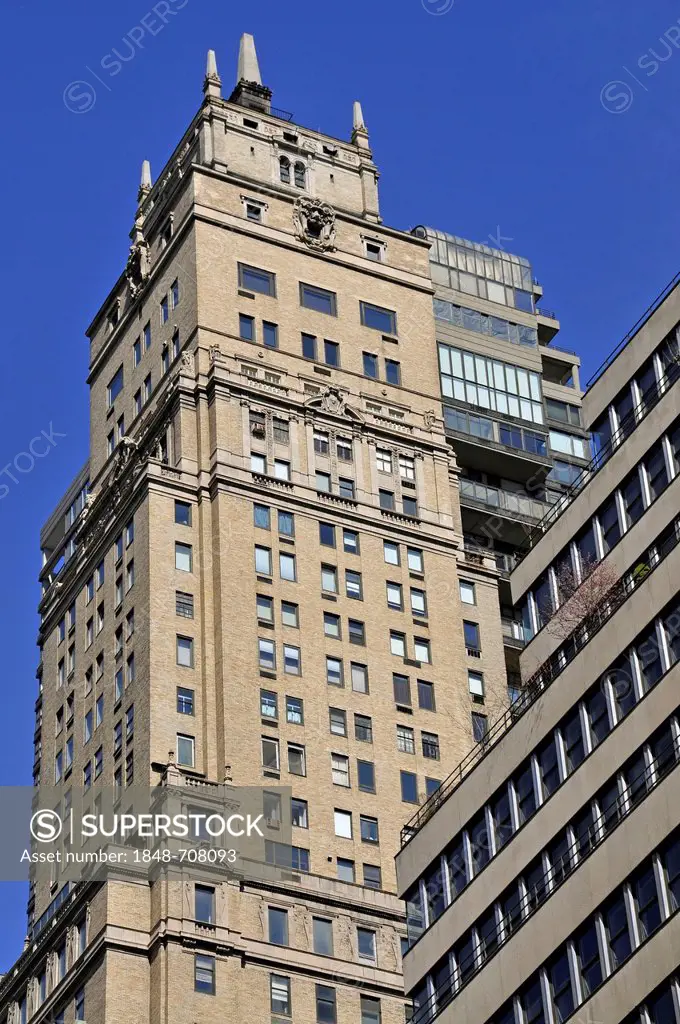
212 85
359 129
358 121
248 68
145 181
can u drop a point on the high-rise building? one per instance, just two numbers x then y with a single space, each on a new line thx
543 879
511 405
285 562
255 578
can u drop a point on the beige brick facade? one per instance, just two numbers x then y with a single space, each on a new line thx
202 406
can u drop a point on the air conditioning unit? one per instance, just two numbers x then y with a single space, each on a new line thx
272 823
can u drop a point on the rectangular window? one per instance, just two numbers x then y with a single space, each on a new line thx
356 631
340 770
115 386
366 944
267 654
269 705
426 695
370 365
346 488
397 644
393 373
350 542
491 384
318 299
261 517
359 675
185 651
292 664
185 701
263 560
366 776
186 750
270 754
246 327
296 759
309 346
79 1005
329 579
322 931
391 553
184 604
287 567
326 1011
331 353
430 742
386 499
334 673
418 602
402 690
204 974
252 279
363 728
353 586
471 636
279 989
480 727
323 482
370 1010
372 876
369 829
299 813
338 721
378 318
331 625
476 683
183 557
394 596
415 560
164 310
467 592
409 787
405 740
265 608
278 926
286 523
327 535
343 824
270 334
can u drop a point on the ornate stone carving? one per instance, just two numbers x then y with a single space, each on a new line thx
138 266
187 362
430 418
332 401
301 922
314 223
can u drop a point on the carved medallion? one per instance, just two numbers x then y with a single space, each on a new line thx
314 223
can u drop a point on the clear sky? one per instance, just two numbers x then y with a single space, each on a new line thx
552 123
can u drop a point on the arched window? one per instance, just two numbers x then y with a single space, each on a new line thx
300 175
284 170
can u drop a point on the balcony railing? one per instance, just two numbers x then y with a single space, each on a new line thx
525 906
661 297
509 501
514 631
548 313
627 425
508 434
548 672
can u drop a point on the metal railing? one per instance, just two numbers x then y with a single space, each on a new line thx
496 497
522 909
661 297
549 313
628 424
539 682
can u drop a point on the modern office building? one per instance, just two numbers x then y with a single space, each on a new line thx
258 577
543 879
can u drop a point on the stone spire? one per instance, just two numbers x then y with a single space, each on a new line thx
249 90
359 129
145 181
248 68
212 85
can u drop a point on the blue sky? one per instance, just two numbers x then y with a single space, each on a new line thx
554 124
